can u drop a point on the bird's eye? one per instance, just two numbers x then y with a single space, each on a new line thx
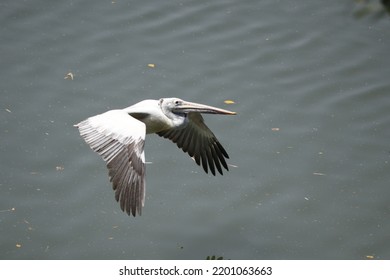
177 102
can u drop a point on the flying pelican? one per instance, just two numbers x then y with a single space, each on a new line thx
119 137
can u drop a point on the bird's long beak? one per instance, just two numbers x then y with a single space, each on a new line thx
187 107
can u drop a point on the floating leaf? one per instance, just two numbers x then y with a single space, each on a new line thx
229 102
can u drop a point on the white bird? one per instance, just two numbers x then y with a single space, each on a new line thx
119 137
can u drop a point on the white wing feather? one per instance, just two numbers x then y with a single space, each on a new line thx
119 139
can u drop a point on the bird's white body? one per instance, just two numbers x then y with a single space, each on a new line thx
119 137
149 112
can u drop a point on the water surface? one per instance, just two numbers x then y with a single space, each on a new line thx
310 142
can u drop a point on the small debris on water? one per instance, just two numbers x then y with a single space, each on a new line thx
8 210
60 168
69 76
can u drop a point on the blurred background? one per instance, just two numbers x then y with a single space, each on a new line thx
309 148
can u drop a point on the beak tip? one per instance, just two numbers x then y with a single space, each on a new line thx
228 113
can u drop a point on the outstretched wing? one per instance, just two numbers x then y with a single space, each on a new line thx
199 142
119 139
